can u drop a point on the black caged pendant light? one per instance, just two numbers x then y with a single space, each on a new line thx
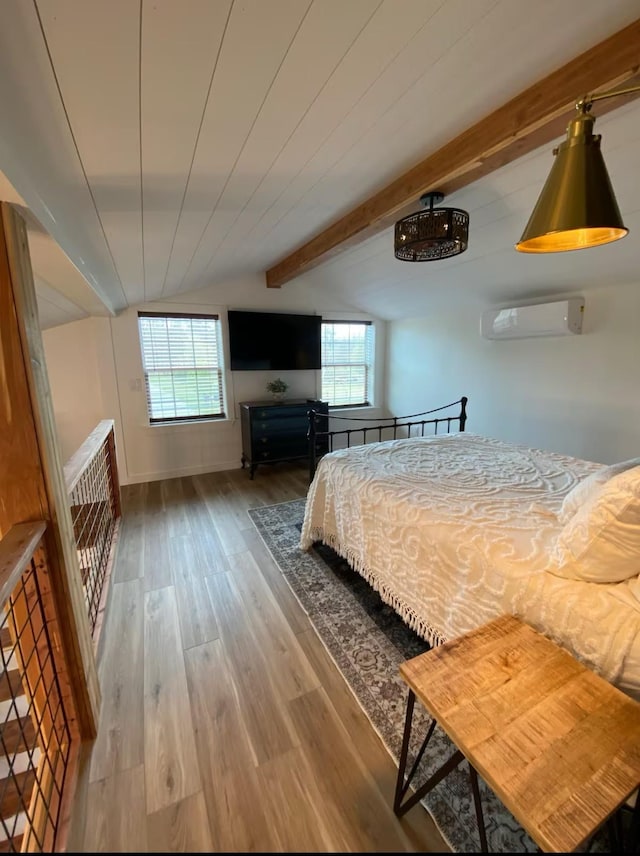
432 234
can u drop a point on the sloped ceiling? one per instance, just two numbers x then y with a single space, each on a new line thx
164 146
62 292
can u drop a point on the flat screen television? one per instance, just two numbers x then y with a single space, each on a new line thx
273 340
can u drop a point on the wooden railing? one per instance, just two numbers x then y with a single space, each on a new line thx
91 477
39 736
49 686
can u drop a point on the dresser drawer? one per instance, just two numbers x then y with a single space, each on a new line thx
276 441
280 411
292 426
281 451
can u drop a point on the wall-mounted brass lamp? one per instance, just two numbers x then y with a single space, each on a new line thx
577 207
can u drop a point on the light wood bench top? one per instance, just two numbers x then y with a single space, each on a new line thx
558 744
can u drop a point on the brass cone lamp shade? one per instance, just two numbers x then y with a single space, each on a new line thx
577 207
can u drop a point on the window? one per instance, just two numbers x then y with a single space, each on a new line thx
347 363
182 361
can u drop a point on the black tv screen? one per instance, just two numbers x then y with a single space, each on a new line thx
273 340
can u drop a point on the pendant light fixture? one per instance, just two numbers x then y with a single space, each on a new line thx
432 234
577 207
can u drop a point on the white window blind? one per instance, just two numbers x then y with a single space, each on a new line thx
347 362
182 361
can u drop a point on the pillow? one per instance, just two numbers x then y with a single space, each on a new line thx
581 492
601 542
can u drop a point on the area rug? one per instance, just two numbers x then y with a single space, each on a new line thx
367 640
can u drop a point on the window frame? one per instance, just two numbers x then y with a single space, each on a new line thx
369 367
219 370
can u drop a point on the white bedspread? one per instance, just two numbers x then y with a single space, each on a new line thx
455 530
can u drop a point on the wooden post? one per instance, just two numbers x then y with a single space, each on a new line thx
311 434
32 485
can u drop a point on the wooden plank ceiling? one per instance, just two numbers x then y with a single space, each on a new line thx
166 146
536 116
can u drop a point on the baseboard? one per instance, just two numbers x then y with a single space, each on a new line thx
139 478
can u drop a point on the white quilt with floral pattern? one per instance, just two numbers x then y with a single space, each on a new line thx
455 530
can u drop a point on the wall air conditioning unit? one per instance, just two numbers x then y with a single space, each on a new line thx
559 318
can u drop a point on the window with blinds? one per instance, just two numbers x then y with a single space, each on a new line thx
347 363
182 360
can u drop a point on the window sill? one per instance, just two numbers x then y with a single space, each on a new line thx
190 423
359 408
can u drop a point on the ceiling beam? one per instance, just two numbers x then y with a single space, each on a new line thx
533 118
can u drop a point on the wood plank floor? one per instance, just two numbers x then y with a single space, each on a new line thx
225 725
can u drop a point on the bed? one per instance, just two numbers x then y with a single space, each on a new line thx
454 529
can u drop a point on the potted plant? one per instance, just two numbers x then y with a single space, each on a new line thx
277 388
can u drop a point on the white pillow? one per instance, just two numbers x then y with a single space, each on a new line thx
581 492
601 541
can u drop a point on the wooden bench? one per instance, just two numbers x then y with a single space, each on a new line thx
558 744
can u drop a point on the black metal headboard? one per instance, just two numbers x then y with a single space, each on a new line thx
322 440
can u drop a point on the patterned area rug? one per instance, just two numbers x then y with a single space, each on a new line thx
368 641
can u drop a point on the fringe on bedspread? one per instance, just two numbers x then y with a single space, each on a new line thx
418 625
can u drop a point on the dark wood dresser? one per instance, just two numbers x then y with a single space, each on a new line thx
276 431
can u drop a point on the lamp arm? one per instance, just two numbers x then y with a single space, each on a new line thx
585 103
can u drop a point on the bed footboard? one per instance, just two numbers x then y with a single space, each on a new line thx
376 430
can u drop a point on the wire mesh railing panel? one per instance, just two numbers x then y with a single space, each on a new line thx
35 736
94 510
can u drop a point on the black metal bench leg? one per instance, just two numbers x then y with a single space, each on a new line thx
402 785
478 804
634 827
411 700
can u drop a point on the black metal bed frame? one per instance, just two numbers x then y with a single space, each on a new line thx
320 437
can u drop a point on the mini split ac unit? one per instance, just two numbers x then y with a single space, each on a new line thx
559 318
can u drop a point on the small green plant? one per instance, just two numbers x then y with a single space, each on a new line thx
277 387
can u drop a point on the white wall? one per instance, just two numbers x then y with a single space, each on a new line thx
95 366
577 395
76 372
